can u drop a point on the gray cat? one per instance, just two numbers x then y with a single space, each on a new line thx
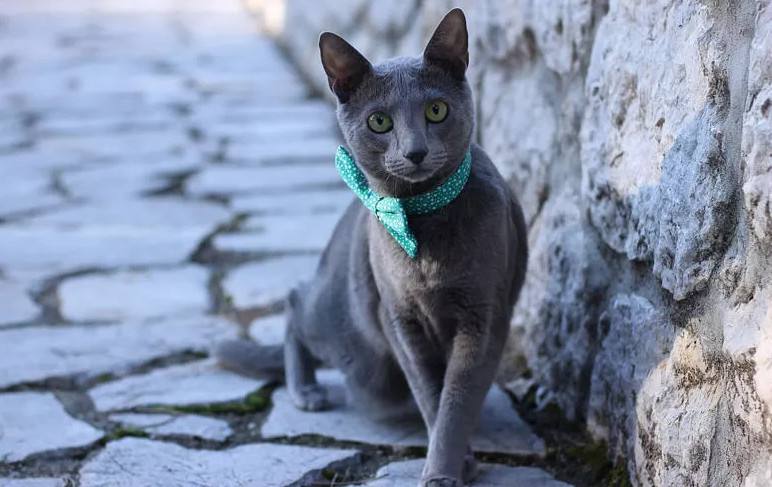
430 327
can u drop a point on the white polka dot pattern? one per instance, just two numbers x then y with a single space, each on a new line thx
393 212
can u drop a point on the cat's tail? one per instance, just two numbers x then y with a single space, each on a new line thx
249 358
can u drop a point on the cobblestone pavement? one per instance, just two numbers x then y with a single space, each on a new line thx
165 177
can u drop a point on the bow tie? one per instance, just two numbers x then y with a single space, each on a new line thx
393 212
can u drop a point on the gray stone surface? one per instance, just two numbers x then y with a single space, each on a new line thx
286 151
500 428
279 233
33 422
135 294
295 203
17 306
277 179
40 352
112 181
267 282
269 330
186 424
282 131
158 212
194 383
42 251
133 461
33 482
408 473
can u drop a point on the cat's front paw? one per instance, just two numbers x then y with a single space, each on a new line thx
311 397
440 482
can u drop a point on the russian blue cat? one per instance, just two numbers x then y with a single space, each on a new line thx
413 296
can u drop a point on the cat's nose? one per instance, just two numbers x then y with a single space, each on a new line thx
416 155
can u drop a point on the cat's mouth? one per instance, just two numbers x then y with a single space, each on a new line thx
413 173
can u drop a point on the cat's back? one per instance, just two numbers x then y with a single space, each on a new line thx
490 187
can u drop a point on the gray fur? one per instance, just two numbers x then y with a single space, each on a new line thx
430 328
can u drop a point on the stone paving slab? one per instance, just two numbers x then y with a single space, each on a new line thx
36 482
266 283
132 462
279 233
135 294
40 352
295 203
227 180
186 424
32 422
17 306
408 473
25 199
289 152
156 146
39 162
277 131
117 180
194 383
168 213
500 430
38 251
285 113
269 330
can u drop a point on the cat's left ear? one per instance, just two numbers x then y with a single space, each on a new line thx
344 65
448 47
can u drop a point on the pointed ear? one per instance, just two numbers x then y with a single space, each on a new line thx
448 47
344 65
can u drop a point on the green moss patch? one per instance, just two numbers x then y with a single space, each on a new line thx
254 402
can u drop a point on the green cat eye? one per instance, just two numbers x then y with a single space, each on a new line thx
379 122
436 111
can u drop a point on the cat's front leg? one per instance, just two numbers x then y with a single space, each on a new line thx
468 377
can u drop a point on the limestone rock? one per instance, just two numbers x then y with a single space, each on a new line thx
43 352
135 295
186 424
268 282
33 422
134 461
195 383
637 339
757 129
17 305
280 234
408 473
33 482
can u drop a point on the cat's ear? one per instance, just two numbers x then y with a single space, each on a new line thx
448 47
344 65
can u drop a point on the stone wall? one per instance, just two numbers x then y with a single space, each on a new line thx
638 135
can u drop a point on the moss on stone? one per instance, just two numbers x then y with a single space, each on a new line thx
125 432
254 402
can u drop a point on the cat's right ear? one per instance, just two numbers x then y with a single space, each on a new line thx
344 65
448 47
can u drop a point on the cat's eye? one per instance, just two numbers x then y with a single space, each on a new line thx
379 122
436 111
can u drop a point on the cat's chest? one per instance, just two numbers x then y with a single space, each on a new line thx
443 259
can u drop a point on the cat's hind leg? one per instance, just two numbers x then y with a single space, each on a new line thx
300 370
376 387
300 365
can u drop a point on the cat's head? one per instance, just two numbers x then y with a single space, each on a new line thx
408 121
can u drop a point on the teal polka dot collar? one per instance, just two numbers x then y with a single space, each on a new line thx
393 212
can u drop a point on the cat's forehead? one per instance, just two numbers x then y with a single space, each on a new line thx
403 79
